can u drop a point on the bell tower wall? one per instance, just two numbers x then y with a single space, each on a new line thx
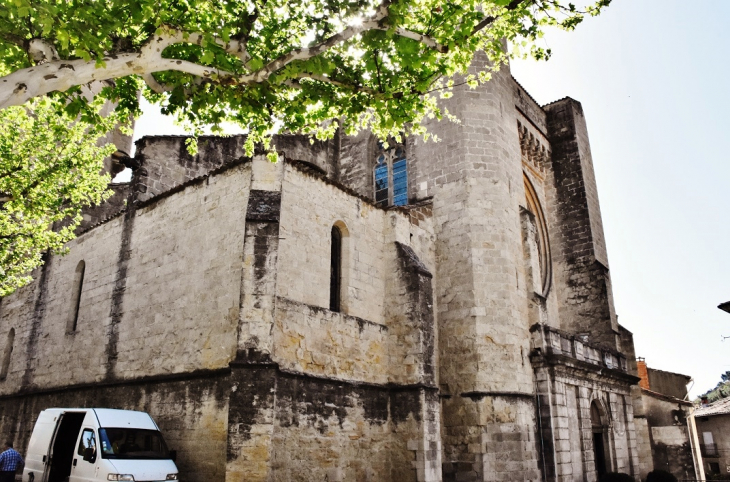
475 178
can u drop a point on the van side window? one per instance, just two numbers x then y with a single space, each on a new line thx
88 441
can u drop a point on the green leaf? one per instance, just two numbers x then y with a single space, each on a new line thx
377 80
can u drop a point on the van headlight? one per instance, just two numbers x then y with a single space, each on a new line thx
171 477
128 477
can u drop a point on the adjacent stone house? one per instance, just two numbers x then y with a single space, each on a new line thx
425 311
713 431
664 430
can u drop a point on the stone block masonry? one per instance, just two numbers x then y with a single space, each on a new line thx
471 336
577 235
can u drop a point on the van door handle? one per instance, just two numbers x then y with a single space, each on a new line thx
44 459
74 462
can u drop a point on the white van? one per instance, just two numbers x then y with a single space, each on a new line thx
97 444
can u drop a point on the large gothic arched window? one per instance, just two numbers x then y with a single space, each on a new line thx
391 175
541 236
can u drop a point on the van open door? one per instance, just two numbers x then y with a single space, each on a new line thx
61 449
39 446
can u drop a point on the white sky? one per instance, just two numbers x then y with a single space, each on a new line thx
652 76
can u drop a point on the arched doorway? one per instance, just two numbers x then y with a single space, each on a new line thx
599 428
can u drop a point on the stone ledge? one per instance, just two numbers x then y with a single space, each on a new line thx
547 340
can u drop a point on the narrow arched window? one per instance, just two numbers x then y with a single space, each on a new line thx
336 269
73 313
391 175
7 353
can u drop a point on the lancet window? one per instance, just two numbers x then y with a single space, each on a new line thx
391 175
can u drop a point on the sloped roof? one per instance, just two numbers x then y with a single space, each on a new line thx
666 398
671 373
720 407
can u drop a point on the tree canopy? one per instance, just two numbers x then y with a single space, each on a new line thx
303 66
722 390
296 65
51 166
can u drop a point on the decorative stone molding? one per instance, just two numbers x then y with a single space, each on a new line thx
550 341
534 152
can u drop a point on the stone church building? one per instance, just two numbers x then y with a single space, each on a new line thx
425 312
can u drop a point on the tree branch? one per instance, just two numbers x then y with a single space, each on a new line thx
372 23
490 19
233 47
13 39
59 75
153 84
426 40
327 80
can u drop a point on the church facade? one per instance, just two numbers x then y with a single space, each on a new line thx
356 312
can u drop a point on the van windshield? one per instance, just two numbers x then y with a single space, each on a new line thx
132 443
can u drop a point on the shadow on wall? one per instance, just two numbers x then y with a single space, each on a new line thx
654 476
660 476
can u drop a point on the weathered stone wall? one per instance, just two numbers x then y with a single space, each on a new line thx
668 383
475 176
643 445
668 435
571 375
310 208
299 148
313 340
353 344
164 161
529 108
428 369
94 215
183 279
160 293
476 179
535 151
356 162
582 280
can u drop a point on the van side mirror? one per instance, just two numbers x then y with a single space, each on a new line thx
89 455
173 455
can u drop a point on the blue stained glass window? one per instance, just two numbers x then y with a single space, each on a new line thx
391 176
381 185
400 183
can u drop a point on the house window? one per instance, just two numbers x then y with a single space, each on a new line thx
7 353
714 467
708 447
391 175
73 315
336 269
